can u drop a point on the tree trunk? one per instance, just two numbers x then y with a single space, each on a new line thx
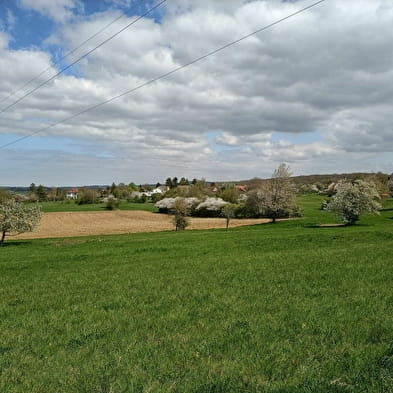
2 238
227 223
273 220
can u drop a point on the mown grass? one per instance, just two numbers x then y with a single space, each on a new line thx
71 206
283 308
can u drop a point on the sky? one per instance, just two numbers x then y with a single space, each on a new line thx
314 91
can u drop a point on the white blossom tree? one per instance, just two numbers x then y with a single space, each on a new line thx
15 218
276 197
354 199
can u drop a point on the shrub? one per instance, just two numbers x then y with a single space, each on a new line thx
112 203
181 210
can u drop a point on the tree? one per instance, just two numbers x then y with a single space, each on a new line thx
181 211
229 194
113 188
4 195
276 197
17 218
184 182
210 207
174 182
133 187
32 188
41 193
228 212
86 196
52 194
354 199
169 183
390 185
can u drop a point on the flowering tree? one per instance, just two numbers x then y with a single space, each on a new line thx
353 199
213 204
17 218
276 196
168 204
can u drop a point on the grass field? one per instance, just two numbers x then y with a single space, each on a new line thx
283 308
71 206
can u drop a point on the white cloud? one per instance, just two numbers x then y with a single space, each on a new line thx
59 10
328 71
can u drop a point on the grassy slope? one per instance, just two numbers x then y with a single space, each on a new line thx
51 207
284 308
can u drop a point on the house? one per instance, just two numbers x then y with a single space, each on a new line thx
72 194
241 188
160 190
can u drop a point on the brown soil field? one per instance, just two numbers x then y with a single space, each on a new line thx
70 224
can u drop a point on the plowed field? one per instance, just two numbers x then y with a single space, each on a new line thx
69 224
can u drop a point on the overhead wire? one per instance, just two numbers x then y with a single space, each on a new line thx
62 58
165 75
83 56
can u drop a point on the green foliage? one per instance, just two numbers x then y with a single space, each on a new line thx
184 182
156 197
133 187
41 193
67 206
289 308
229 194
112 203
87 196
354 199
4 195
228 211
180 213
17 218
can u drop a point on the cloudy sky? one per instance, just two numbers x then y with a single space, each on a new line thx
315 91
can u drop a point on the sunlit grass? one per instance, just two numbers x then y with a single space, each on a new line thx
287 307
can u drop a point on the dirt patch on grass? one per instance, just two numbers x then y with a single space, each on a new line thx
69 224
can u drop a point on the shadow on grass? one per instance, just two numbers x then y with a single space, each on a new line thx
324 226
15 243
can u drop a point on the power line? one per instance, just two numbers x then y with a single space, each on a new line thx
82 57
62 58
165 75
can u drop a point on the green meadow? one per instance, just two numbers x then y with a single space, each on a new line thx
290 307
71 206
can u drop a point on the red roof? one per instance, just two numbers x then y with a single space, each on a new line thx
241 188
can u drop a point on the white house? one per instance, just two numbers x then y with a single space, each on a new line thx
72 194
159 190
